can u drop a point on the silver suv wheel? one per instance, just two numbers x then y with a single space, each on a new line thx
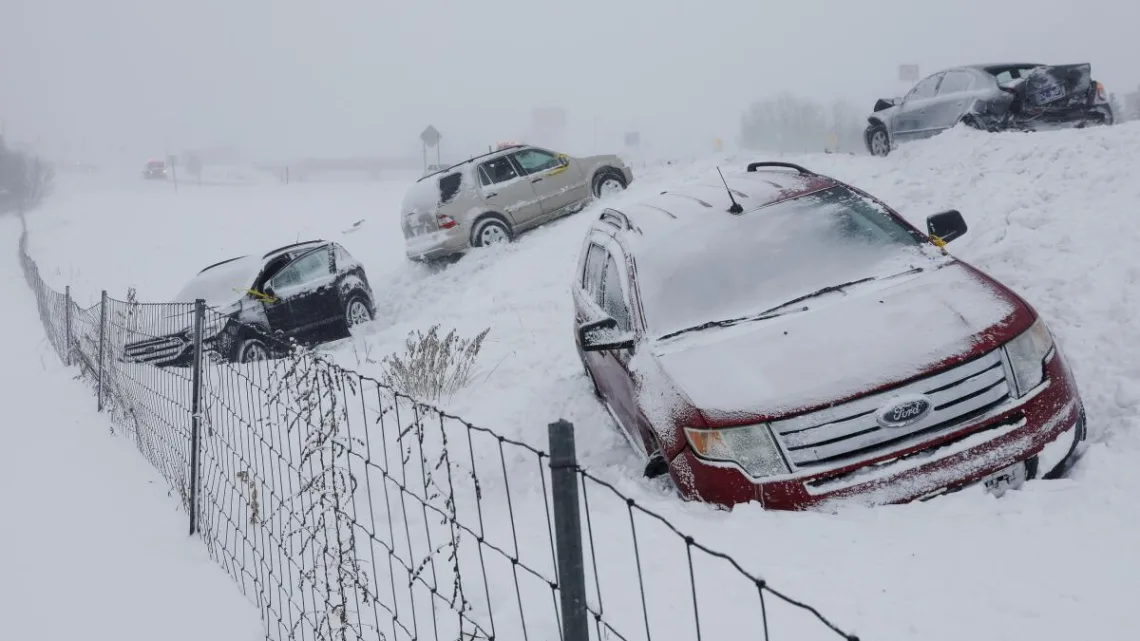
490 231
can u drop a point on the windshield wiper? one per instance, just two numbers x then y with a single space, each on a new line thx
773 312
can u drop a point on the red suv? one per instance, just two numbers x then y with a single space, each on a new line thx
775 335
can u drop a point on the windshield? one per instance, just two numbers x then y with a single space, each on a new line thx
223 283
732 266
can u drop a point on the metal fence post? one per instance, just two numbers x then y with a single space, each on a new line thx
196 411
67 325
568 531
102 345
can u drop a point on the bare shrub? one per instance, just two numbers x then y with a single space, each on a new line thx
431 367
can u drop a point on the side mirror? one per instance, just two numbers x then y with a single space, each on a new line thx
946 226
603 335
268 295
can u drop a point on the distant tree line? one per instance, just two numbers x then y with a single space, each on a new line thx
788 124
25 180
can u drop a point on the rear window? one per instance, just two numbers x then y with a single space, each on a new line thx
732 266
1006 75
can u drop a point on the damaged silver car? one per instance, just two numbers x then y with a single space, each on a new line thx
994 97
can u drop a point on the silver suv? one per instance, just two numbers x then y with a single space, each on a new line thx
492 198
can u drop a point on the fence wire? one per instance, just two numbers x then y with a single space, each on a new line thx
345 510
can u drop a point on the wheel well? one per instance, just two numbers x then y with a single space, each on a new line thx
361 294
606 171
491 214
875 122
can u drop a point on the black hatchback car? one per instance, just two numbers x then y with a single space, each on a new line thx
311 292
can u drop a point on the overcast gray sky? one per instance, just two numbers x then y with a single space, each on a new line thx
282 77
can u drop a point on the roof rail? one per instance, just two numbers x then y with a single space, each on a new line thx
301 244
464 162
753 166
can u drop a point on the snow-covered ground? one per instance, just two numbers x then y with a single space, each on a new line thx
92 545
1050 214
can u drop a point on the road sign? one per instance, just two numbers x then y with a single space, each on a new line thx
908 73
431 136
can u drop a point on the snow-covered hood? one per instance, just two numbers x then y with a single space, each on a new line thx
223 284
844 345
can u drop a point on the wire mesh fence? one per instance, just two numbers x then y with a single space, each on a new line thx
346 510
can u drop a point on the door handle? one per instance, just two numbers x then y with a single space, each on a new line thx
537 180
492 194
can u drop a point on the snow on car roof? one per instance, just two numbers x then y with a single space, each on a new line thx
692 203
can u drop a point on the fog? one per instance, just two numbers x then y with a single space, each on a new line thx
96 79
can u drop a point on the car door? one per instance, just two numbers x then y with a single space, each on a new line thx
306 301
557 179
621 391
955 95
912 120
504 189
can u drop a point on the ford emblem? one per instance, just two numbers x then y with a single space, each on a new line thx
904 410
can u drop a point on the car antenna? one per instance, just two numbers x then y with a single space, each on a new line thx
735 208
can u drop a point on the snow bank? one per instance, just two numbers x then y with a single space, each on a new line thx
1050 214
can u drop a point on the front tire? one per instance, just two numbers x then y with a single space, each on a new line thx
357 311
878 140
490 231
251 350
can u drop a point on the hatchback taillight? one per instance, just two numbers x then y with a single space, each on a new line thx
446 222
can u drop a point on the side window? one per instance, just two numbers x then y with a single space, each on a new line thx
613 296
304 270
925 89
343 258
496 171
592 277
955 82
449 187
534 161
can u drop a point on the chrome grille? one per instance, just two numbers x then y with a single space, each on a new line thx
851 430
157 351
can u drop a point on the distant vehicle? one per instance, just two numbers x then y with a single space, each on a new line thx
155 170
802 344
312 292
996 97
492 198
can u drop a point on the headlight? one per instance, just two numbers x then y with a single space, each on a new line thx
750 447
1027 354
